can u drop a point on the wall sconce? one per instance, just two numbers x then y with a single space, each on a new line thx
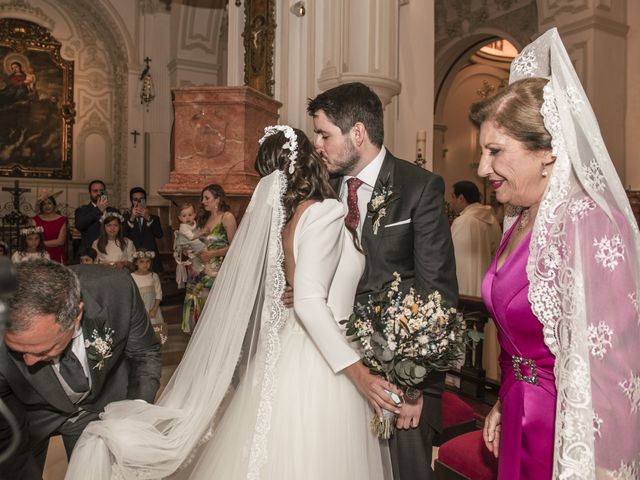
298 9
147 91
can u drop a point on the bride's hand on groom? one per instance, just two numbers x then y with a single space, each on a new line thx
409 416
287 296
373 388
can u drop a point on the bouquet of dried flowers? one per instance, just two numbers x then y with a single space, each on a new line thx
403 337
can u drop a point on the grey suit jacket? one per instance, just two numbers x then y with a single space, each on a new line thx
34 394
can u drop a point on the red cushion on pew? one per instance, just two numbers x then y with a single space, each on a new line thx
455 410
468 455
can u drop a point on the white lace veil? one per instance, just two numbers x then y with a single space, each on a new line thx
143 441
584 268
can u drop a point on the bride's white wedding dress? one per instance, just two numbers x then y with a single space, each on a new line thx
258 393
318 421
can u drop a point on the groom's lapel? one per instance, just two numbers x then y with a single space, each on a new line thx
372 241
94 318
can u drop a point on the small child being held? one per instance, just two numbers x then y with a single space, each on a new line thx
186 245
30 245
148 283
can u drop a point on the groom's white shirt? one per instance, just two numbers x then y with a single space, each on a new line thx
368 175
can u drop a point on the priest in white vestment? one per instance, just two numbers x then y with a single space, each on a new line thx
476 235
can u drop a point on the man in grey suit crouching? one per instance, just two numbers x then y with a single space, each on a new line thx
78 338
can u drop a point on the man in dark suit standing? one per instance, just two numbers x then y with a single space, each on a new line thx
397 210
87 217
142 227
78 338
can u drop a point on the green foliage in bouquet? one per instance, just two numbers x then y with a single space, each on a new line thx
403 337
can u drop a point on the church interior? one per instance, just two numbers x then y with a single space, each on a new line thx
173 95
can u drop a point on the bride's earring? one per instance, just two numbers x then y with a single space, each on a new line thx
544 170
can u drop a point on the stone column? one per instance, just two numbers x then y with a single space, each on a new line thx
359 43
216 133
594 34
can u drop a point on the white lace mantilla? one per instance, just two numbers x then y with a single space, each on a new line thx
583 270
276 314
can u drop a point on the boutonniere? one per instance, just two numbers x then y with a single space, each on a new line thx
99 346
380 200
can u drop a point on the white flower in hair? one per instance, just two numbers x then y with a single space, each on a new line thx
291 144
29 230
143 254
108 215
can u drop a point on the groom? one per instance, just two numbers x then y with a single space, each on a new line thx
397 210
77 340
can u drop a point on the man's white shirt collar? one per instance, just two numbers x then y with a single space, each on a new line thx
369 174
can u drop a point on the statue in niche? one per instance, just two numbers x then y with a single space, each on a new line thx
259 38
258 27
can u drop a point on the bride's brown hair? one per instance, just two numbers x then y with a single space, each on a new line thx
310 177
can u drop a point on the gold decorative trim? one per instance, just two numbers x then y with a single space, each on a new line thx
259 40
36 114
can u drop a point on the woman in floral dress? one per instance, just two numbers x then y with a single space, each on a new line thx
220 223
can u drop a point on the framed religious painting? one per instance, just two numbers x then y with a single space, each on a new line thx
36 103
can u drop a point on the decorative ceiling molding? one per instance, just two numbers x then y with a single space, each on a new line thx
462 27
151 7
23 10
199 30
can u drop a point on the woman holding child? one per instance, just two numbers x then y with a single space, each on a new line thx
217 226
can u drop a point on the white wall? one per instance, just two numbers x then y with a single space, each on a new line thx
632 152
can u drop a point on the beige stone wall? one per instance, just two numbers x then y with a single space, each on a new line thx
632 164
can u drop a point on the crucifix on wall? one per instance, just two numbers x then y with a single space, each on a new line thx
135 134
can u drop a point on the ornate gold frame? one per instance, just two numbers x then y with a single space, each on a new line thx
36 113
259 38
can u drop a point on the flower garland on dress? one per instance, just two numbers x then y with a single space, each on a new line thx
25 232
291 144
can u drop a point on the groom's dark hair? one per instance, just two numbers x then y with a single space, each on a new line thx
348 104
44 287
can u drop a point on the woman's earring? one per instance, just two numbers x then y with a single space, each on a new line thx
544 170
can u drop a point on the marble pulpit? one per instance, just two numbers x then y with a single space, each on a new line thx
215 140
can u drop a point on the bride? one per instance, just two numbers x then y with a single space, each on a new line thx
262 391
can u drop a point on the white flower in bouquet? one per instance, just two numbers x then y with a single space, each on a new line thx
404 337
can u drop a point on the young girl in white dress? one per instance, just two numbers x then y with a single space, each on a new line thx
113 248
148 283
30 246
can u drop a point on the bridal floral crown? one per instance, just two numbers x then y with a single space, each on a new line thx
291 144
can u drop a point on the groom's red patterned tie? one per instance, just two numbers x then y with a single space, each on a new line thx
353 215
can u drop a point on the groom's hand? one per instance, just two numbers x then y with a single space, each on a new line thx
373 388
409 416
